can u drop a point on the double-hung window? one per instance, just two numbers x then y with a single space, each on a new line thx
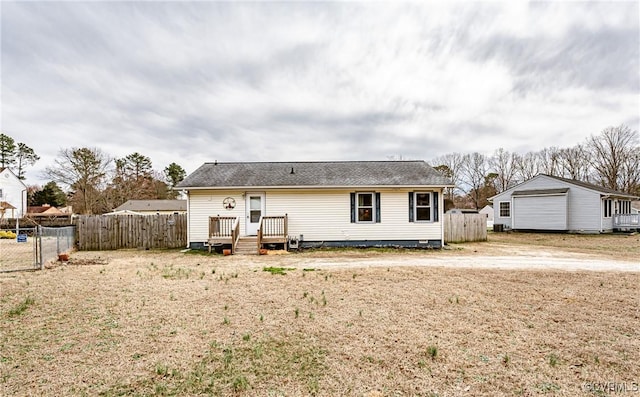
365 207
423 206
505 209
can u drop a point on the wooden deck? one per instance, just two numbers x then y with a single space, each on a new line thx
273 230
226 230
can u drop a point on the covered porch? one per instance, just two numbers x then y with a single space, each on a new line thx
626 221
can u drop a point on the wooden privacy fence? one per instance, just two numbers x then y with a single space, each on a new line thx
104 232
459 228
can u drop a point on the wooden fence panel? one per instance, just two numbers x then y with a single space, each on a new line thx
459 228
100 232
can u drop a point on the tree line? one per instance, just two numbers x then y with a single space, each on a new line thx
89 179
610 159
94 182
98 183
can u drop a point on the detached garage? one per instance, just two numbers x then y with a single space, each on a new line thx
550 203
546 209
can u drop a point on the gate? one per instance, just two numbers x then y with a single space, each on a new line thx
460 228
30 248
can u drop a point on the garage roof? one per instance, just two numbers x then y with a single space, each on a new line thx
540 192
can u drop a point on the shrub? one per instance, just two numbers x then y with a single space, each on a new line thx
7 234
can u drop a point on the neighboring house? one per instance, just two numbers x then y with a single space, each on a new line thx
462 211
547 202
153 207
124 212
488 211
359 203
13 195
44 210
7 210
68 210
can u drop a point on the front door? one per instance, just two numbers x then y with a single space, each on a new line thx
255 209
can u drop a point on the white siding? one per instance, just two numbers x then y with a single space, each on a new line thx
203 204
540 212
584 205
319 215
14 193
500 220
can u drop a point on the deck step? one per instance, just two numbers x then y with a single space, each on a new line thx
247 246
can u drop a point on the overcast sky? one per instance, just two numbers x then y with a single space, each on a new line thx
194 82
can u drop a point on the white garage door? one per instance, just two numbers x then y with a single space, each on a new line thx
540 212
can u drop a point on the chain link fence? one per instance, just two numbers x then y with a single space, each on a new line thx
53 241
30 248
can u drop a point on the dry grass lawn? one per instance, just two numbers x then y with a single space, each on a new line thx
145 323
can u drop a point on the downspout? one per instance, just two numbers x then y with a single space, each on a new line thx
441 216
188 217
512 211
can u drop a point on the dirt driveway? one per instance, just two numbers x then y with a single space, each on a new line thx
487 256
502 251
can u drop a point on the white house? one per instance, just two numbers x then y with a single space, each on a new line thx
488 211
547 202
360 203
13 195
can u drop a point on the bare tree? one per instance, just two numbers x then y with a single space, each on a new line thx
504 165
450 165
631 173
612 153
549 161
473 171
84 171
526 166
574 163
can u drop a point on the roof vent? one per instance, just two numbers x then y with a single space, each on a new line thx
292 171
215 162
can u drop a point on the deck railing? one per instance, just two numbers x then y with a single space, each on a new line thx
626 220
235 235
273 229
224 230
221 226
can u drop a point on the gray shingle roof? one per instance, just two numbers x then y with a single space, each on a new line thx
535 192
339 173
591 186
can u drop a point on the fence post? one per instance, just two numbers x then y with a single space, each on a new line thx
39 231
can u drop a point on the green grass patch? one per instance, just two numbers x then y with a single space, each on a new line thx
278 270
229 369
172 273
200 252
21 307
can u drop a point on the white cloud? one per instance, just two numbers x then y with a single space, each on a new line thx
194 82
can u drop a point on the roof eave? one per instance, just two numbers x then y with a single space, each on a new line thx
315 187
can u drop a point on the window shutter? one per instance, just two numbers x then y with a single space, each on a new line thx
410 206
377 207
436 211
353 208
